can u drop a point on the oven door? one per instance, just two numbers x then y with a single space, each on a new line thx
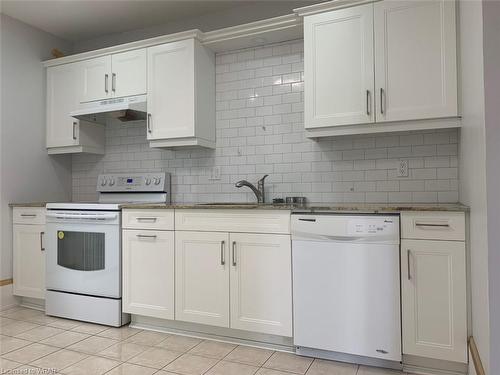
84 253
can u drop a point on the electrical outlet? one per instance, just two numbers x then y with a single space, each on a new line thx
215 173
403 168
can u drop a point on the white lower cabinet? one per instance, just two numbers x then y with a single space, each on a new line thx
148 273
434 299
261 283
202 277
29 260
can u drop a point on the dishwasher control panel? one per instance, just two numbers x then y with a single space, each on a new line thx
370 226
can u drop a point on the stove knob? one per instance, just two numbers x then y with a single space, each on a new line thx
111 182
148 181
157 180
103 182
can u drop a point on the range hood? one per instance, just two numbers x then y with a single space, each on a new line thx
131 108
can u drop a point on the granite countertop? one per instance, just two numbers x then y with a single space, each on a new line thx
314 207
28 204
309 208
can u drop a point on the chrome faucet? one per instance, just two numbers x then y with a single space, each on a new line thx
258 191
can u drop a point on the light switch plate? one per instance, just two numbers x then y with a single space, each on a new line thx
403 168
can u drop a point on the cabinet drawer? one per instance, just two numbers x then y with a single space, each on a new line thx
433 225
157 219
28 215
220 220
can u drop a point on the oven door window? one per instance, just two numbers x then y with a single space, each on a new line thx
82 251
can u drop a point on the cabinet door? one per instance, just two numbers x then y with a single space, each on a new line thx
148 273
62 98
128 75
434 299
415 60
171 92
202 277
261 283
29 260
96 79
338 60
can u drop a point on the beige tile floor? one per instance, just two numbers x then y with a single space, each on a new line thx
30 340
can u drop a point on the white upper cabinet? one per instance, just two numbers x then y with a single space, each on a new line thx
415 60
62 88
128 76
96 79
181 95
64 133
378 67
339 67
113 76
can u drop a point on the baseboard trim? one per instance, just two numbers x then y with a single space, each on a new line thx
476 358
6 282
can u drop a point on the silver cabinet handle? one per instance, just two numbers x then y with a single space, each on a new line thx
432 225
149 122
222 257
106 76
382 97
146 235
113 82
151 219
408 255
28 215
41 241
234 253
74 129
368 103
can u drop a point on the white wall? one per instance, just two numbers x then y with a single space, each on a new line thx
473 166
244 13
491 45
27 172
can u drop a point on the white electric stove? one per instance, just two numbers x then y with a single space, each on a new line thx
83 244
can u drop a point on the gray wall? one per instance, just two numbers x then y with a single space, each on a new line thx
491 44
246 12
27 172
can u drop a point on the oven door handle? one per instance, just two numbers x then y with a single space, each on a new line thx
82 216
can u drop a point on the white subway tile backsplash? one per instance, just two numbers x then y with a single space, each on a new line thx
260 130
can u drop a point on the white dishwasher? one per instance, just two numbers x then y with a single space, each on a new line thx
346 287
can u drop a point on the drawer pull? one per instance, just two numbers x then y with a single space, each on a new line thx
28 215
151 219
146 236
432 225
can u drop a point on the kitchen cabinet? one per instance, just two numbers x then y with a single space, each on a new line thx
181 95
29 252
65 134
415 60
433 278
148 273
339 71
261 283
202 277
113 76
383 66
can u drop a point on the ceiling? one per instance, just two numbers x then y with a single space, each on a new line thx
77 20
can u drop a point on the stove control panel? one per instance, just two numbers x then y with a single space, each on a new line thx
134 182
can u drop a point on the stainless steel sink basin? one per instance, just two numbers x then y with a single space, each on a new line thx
229 204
